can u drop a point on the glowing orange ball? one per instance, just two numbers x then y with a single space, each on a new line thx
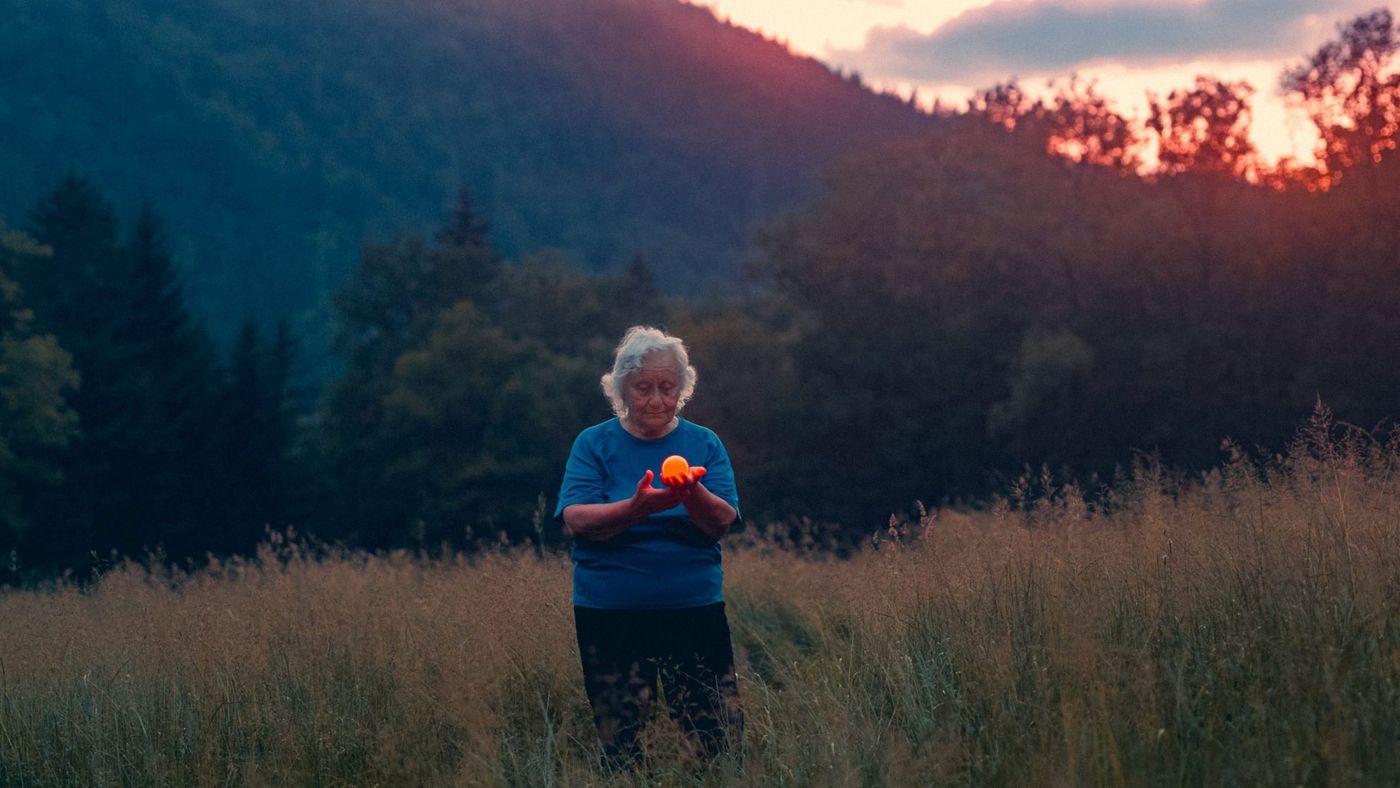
675 466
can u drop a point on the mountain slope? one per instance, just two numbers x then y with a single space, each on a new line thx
275 137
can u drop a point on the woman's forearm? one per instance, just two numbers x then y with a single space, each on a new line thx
600 522
711 514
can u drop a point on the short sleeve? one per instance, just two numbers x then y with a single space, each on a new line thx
719 475
585 480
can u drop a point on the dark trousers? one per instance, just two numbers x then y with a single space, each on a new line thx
626 652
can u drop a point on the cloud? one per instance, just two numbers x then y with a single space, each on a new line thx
1024 38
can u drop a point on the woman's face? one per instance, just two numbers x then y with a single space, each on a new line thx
652 394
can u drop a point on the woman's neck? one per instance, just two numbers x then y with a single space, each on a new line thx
637 432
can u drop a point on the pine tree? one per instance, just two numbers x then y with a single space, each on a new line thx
464 229
63 288
135 477
257 483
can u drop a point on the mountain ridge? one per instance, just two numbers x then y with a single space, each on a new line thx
276 138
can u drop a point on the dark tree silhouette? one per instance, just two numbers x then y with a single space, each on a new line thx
1351 89
1205 129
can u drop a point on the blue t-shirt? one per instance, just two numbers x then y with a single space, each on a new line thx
666 561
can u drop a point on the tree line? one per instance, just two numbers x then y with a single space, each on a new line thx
1003 293
124 429
597 127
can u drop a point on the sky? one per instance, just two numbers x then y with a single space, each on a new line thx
948 48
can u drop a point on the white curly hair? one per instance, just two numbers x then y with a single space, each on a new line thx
638 343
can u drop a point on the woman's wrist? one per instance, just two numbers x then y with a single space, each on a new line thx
710 513
635 512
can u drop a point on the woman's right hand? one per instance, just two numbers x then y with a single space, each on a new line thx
602 521
648 500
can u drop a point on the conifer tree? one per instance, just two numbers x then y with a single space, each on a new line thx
257 481
63 288
135 477
636 298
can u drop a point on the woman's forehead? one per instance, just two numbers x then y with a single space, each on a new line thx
658 364
659 361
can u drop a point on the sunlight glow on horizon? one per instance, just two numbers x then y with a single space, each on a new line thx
815 27
822 28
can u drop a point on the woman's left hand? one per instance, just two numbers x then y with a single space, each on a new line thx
684 481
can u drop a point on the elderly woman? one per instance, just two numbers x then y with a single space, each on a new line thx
648 585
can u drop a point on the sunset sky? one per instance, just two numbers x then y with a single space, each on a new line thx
948 48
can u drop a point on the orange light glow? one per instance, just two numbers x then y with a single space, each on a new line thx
675 465
813 27
677 472
823 28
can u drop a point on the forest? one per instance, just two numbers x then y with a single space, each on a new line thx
1028 294
274 137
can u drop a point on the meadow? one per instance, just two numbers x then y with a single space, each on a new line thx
1234 627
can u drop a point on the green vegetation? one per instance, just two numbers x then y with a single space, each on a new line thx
1000 292
279 136
36 374
1004 290
122 429
1237 628
968 304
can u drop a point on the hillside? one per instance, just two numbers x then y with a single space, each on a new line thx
275 137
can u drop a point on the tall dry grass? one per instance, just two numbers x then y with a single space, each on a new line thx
1239 628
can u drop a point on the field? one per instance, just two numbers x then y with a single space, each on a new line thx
1241 627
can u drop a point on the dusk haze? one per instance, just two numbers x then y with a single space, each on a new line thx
945 49
675 393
